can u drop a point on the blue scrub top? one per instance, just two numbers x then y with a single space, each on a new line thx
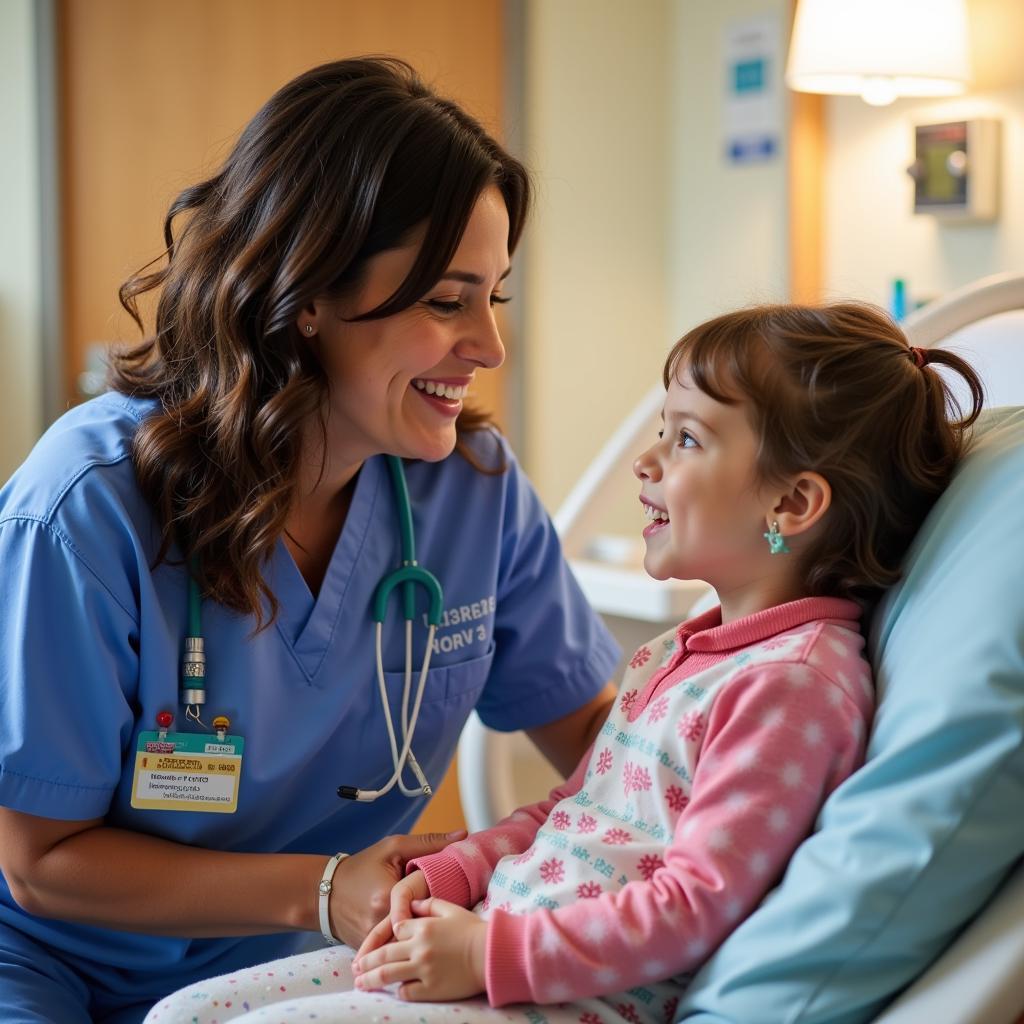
91 643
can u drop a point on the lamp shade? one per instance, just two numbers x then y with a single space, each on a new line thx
880 49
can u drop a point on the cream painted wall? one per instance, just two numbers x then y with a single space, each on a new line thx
21 390
871 235
728 238
641 228
595 287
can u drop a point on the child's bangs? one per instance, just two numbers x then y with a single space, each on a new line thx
720 360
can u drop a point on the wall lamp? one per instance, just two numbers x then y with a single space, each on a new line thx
880 49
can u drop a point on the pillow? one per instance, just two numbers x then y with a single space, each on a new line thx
911 845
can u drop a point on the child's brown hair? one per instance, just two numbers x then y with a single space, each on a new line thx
837 389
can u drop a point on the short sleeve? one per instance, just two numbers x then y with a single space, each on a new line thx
68 662
552 651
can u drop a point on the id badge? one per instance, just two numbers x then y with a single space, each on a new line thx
184 771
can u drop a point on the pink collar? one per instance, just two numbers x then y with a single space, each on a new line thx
706 632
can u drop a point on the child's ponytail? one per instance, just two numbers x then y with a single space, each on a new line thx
947 407
932 424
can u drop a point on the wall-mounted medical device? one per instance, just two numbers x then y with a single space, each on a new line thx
956 170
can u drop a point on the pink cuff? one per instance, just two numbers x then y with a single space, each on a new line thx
506 972
445 877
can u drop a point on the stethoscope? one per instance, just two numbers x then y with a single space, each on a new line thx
408 575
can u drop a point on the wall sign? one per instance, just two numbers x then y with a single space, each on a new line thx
752 113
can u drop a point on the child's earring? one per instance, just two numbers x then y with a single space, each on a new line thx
776 542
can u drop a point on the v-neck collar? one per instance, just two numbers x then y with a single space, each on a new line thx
307 624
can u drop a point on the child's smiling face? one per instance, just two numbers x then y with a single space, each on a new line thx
700 483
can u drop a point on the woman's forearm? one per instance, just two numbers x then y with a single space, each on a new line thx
565 741
125 880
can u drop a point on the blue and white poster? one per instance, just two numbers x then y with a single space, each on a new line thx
752 112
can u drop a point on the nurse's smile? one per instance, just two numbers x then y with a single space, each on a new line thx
444 396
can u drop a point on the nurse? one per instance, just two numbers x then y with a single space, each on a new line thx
327 300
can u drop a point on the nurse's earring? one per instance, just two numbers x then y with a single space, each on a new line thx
308 330
776 542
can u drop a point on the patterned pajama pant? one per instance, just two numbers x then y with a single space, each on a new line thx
318 987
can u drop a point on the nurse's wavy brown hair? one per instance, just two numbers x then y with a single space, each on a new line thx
344 162
837 389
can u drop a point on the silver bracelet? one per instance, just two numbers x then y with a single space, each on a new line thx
324 890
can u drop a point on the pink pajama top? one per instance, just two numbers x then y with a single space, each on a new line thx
712 767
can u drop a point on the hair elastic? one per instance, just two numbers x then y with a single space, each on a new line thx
920 356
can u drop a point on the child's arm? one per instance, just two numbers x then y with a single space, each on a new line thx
461 874
778 740
462 877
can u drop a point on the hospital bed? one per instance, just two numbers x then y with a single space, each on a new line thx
980 978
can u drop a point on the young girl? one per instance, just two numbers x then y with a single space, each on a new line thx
801 449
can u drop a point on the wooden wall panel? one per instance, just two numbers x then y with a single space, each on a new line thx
806 187
806 193
153 94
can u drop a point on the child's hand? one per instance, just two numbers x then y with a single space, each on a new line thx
437 956
412 887
379 935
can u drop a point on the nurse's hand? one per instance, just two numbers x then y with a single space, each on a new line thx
361 897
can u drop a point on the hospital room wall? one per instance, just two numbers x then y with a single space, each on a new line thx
729 234
871 233
21 394
596 105
641 228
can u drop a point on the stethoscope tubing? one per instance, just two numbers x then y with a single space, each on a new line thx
407 757
408 576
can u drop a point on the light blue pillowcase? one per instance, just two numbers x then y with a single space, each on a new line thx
912 845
